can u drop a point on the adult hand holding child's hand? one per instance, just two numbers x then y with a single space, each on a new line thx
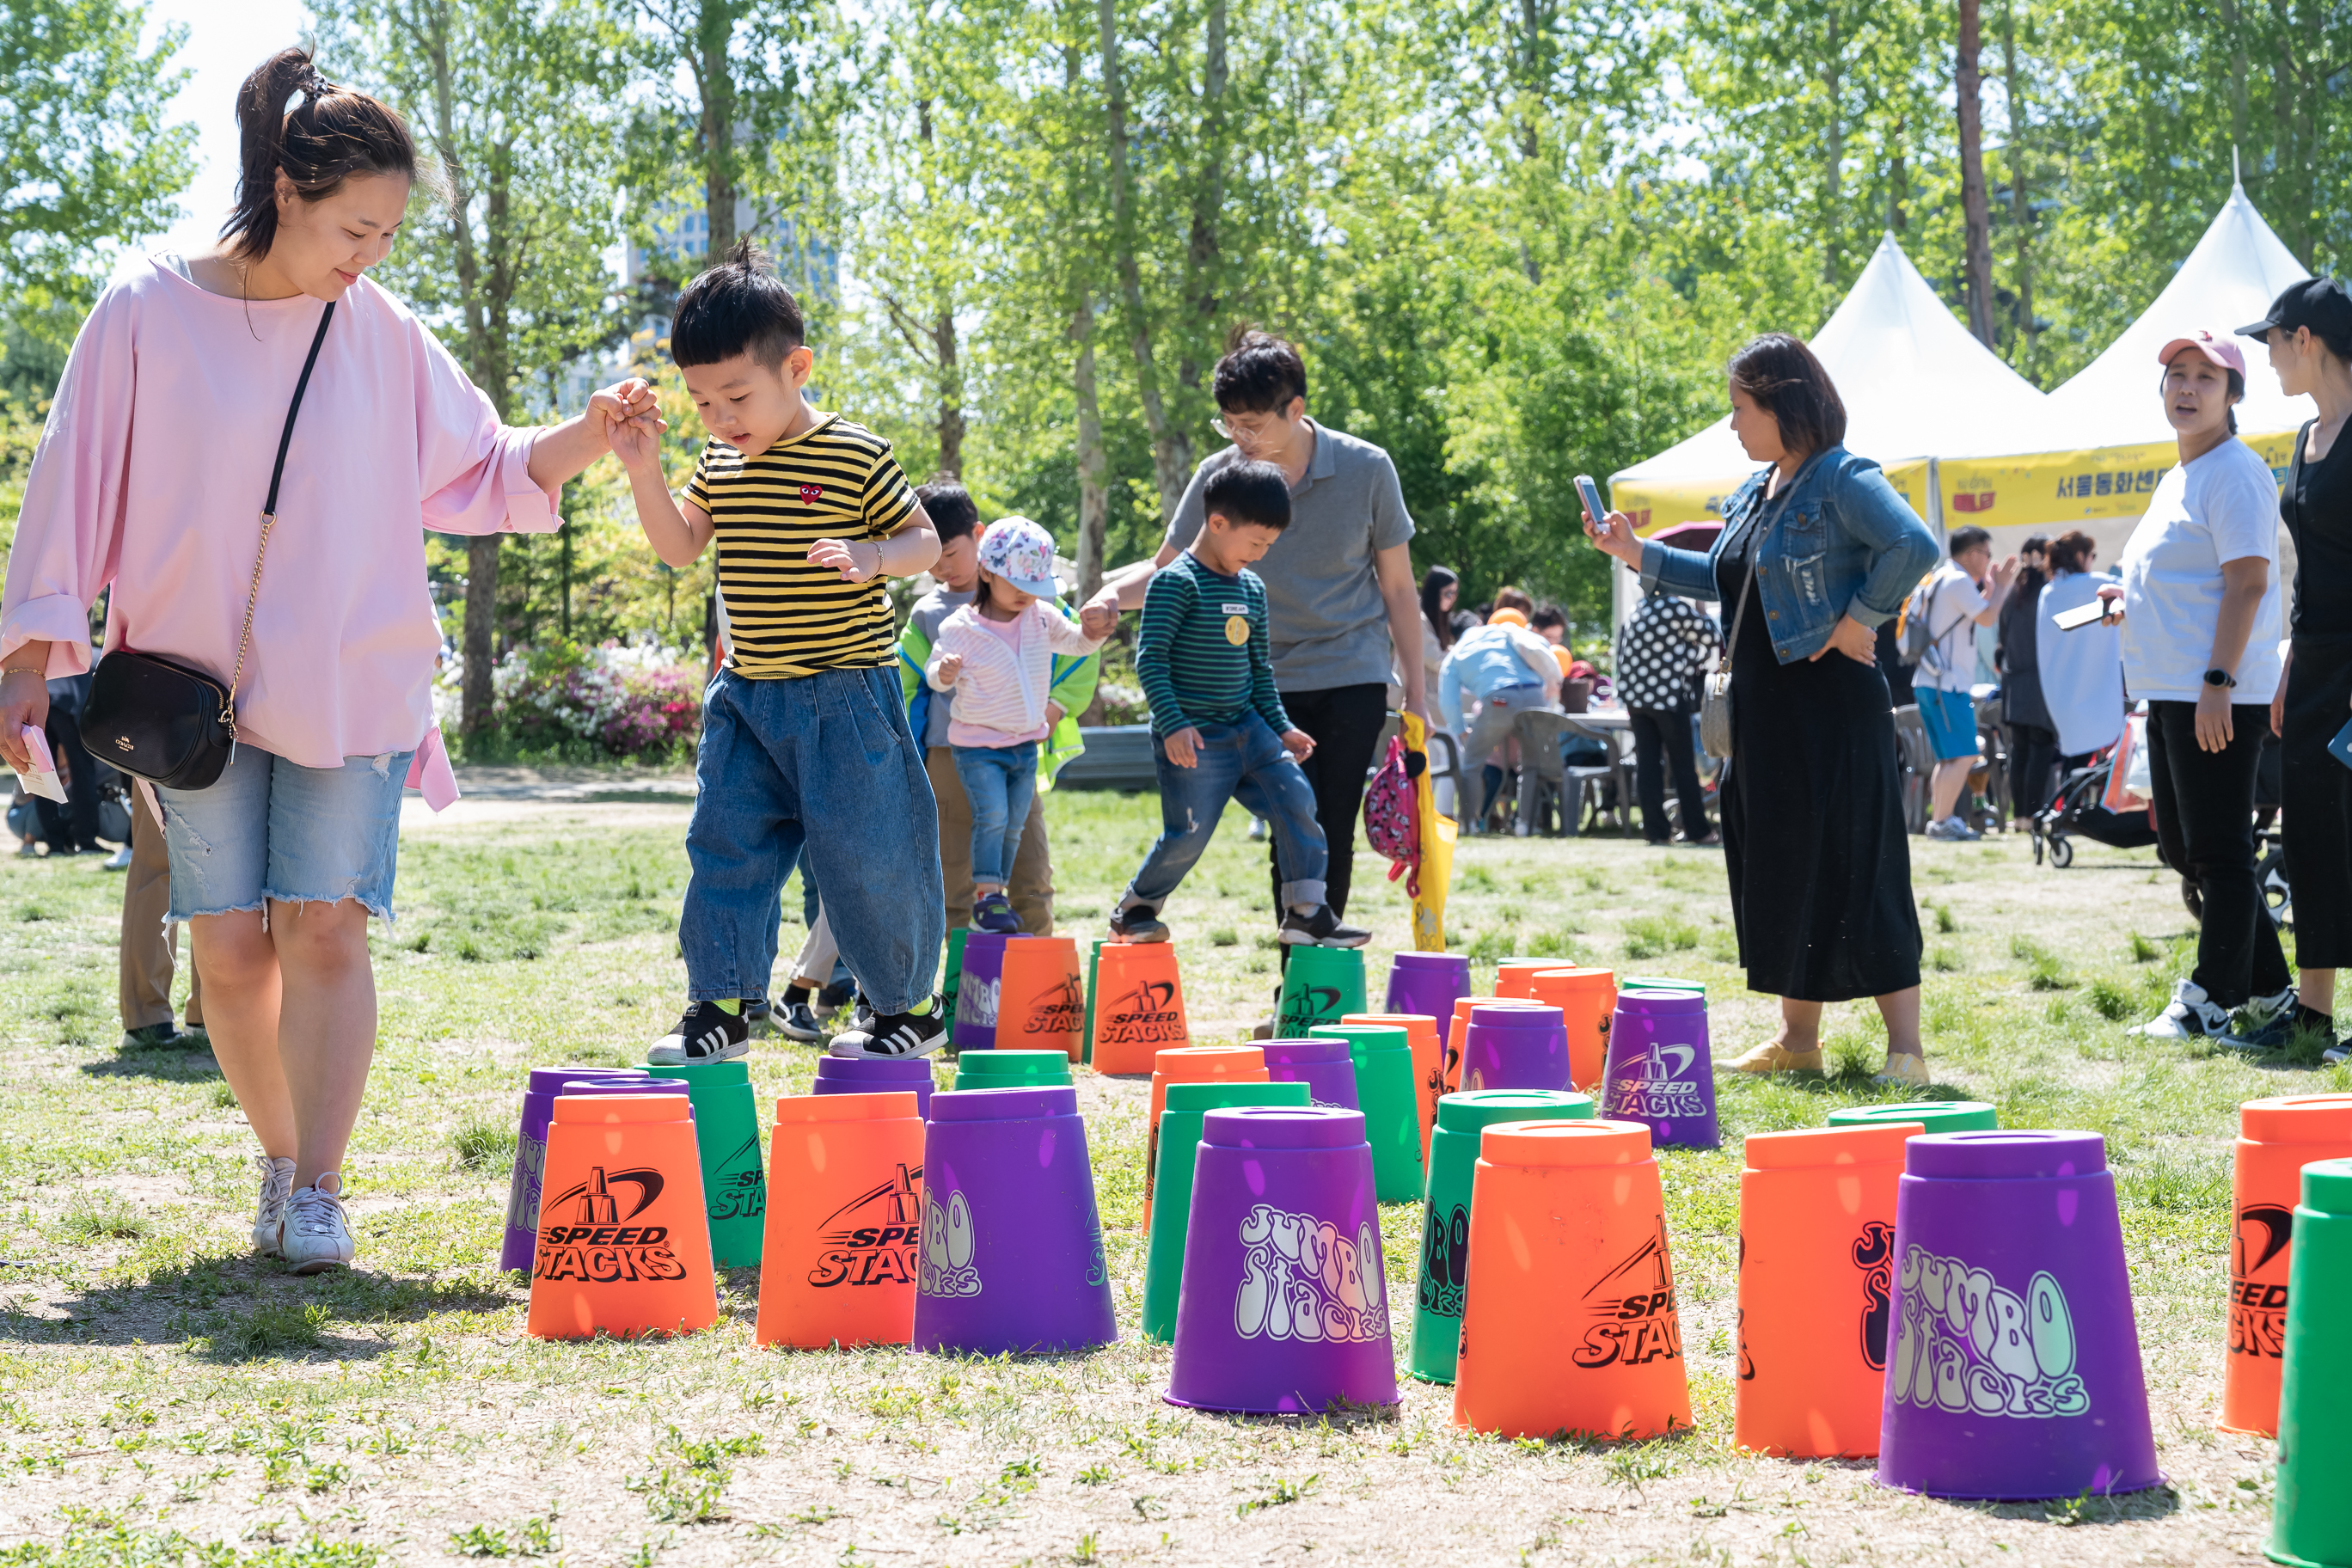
1097 621
1182 747
1298 743
844 556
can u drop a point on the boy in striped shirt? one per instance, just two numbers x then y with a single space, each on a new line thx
805 754
1218 729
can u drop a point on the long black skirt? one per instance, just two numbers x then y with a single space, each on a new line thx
1813 831
2316 801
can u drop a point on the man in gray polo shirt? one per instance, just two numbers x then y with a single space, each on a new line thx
1339 581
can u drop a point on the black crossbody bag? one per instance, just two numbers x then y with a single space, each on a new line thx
166 722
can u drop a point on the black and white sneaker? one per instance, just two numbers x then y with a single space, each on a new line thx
708 1032
1137 922
894 1035
797 1021
1322 928
2189 1015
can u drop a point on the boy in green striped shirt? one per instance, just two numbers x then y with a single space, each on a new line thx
1218 729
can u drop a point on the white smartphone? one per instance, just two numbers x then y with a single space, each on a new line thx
2080 615
1590 493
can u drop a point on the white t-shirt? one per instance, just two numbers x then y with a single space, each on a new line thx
1954 602
2223 507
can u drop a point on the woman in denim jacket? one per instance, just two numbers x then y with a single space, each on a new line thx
1821 549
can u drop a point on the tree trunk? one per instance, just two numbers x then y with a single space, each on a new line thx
1203 261
943 348
1172 452
714 76
2229 26
1094 499
1897 181
1834 173
2021 213
1976 212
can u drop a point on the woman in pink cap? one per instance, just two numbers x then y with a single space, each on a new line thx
2200 605
151 479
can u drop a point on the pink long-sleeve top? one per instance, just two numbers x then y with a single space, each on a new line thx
151 475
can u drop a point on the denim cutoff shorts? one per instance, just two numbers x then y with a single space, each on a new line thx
270 829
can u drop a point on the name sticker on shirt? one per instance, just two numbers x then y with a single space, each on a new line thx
1238 630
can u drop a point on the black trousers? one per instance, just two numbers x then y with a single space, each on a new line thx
2315 792
2205 826
1662 739
1346 723
2032 764
70 824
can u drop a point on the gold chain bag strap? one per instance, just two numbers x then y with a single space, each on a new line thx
166 723
1714 695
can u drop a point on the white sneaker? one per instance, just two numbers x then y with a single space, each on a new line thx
2262 1009
276 1183
2188 1016
318 1234
119 861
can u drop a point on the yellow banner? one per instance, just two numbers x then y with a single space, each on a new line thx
2053 488
1655 505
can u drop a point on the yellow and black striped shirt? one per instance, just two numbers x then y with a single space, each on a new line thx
784 616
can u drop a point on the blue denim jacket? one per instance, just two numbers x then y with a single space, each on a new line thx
1847 544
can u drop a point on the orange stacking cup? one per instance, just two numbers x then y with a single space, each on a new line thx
1586 999
838 1263
1138 1005
1816 1272
1428 1068
1454 1031
624 1243
1192 1064
1516 977
1568 1320
1041 999
2276 1138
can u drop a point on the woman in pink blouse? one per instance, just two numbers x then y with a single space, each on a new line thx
150 477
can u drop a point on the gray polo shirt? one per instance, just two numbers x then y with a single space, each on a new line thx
1328 625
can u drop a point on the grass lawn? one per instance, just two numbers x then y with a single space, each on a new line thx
165 1398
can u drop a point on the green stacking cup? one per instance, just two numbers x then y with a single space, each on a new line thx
1934 1115
2311 1511
1382 1055
1652 983
1094 963
953 973
1319 985
1012 1070
1462 1117
727 1137
1171 1203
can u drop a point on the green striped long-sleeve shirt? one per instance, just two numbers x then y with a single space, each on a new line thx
1202 653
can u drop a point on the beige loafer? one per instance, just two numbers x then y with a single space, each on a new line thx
1772 1057
1904 1070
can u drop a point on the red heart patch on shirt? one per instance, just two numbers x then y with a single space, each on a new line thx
812 494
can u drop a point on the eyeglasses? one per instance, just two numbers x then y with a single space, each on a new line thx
1255 434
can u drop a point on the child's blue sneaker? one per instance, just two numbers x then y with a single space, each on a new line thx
995 912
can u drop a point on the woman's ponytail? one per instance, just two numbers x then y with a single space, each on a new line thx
333 134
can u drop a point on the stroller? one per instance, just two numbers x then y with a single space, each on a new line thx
2076 808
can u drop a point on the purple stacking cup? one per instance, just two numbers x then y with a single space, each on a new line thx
976 988
1659 1072
1515 1045
1011 1255
2013 1370
1284 1307
1323 1066
1428 984
530 1155
877 1075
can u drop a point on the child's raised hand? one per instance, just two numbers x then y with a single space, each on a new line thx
947 667
1298 743
842 555
1097 621
630 399
1182 747
636 442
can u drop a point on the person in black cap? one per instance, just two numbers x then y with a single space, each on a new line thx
2309 330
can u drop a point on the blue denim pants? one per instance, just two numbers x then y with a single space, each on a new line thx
998 781
1242 761
820 769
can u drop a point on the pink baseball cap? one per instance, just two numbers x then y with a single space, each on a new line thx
2222 351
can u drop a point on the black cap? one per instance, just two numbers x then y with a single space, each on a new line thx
2319 303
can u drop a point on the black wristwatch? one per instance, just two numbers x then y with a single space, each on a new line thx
2219 678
